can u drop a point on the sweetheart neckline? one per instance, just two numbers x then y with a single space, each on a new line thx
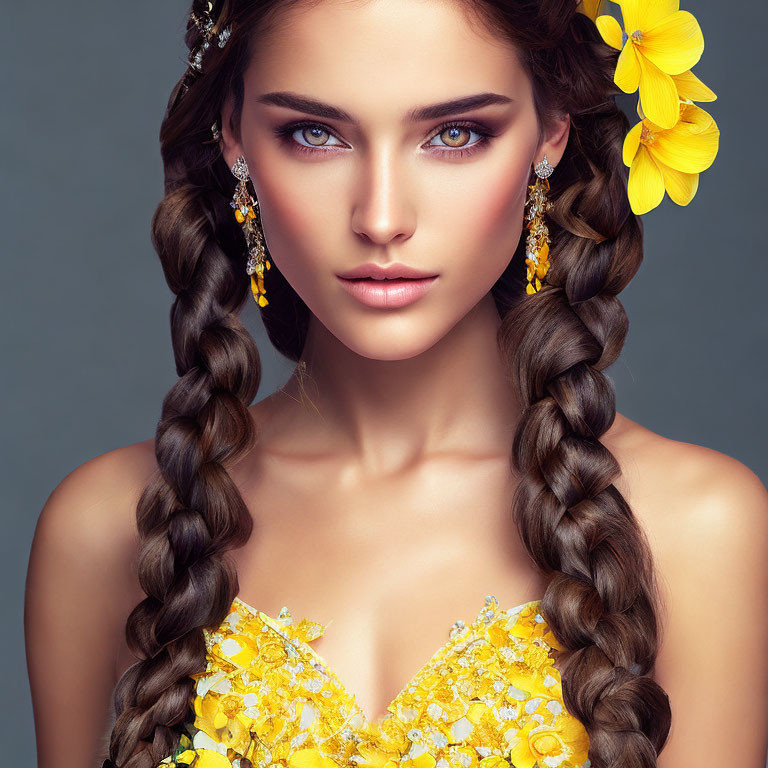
377 720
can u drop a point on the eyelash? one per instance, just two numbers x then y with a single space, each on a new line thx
285 133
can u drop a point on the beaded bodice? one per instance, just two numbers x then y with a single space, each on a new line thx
491 697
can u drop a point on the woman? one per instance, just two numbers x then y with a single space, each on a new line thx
446 435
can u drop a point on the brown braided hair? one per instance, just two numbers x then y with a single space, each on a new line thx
602 602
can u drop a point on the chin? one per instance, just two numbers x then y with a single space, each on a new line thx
376 345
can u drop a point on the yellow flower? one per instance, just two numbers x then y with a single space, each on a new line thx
669 159
221 719
567 739
534 745
658 42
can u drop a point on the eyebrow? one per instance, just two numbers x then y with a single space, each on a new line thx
431 112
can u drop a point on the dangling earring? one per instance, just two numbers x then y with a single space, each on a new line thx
537 242
245 214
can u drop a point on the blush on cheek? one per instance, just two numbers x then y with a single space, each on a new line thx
296 228
498 207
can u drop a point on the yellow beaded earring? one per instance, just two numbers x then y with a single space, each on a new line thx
537 242
246 208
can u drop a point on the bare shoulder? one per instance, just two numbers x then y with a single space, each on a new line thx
677 487
94 505
80 588
88 524
706 516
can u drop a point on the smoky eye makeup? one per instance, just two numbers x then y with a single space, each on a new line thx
285 134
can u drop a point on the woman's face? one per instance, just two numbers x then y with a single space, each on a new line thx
356 159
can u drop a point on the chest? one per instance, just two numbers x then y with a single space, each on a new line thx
388 565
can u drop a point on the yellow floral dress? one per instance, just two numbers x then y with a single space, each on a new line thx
490 697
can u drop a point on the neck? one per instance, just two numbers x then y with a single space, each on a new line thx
452 398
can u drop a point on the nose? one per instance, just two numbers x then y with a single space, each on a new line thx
383 209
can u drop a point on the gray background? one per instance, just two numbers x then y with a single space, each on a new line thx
86 353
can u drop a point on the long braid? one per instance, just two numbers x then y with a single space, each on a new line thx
191 512
602 597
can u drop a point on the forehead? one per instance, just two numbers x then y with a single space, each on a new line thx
364 53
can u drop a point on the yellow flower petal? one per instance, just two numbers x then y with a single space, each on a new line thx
573 734
632 144
681 187
370 755
627 75
547 743
631 13
658 94
656 10
493 761
208 758
520 754
692 145
310 758
675 43
690 87
646 184
610 30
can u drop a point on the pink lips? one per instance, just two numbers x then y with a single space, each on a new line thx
388 293
396 285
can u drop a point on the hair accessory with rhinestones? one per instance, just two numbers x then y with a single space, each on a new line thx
208 31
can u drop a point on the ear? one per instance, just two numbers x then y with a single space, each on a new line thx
553 140
231 148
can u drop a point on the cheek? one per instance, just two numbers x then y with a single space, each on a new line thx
497 206
295 223
481 222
